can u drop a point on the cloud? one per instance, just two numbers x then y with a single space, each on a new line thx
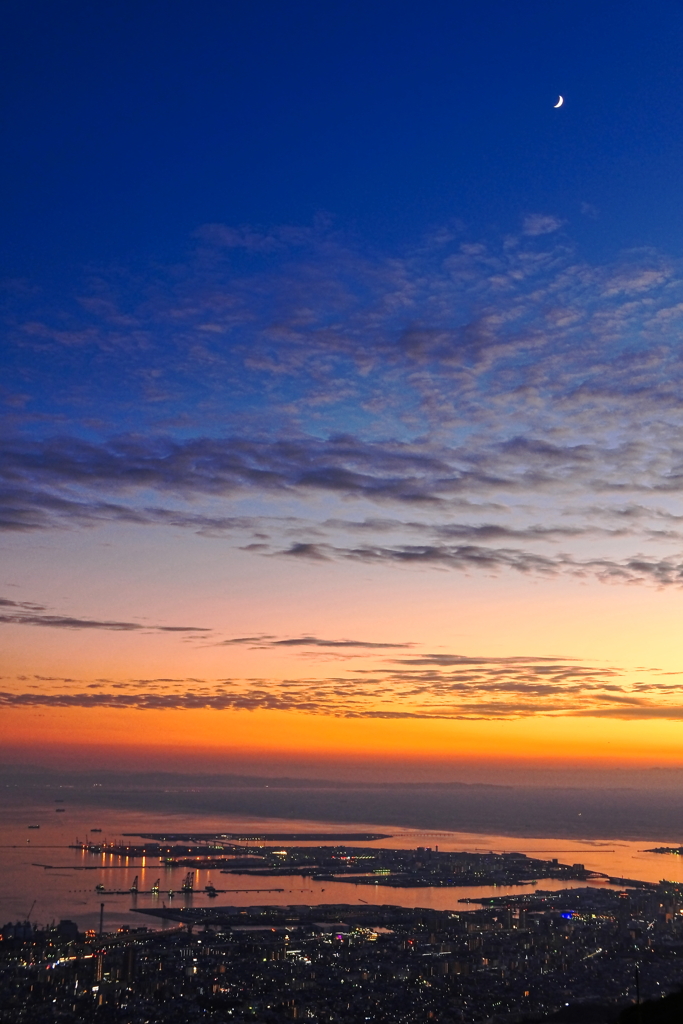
223 466
404 473
431 686
425 476
466 557
221 236
536 224
510 383
25 617
310 641
24 605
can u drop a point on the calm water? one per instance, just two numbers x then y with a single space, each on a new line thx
67 890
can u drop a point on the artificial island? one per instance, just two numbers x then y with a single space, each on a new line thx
249 855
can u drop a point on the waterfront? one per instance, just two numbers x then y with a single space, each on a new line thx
67 888
332 963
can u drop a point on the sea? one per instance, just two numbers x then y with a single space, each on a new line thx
44 878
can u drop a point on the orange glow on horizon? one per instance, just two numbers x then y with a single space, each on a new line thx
268 735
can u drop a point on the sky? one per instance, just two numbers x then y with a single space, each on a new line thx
341 386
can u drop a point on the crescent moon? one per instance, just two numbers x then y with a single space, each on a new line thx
559 102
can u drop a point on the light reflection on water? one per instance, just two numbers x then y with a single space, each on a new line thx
63 892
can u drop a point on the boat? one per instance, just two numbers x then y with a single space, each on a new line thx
59 810
34 826
95 829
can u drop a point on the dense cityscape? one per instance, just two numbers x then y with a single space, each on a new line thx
508 958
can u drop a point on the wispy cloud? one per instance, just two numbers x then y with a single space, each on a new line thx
636 569
430 686
536 224
25 614
511 384
310 641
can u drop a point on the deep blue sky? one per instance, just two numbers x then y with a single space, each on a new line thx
319 323
127 125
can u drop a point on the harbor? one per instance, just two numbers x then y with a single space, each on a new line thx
62 877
